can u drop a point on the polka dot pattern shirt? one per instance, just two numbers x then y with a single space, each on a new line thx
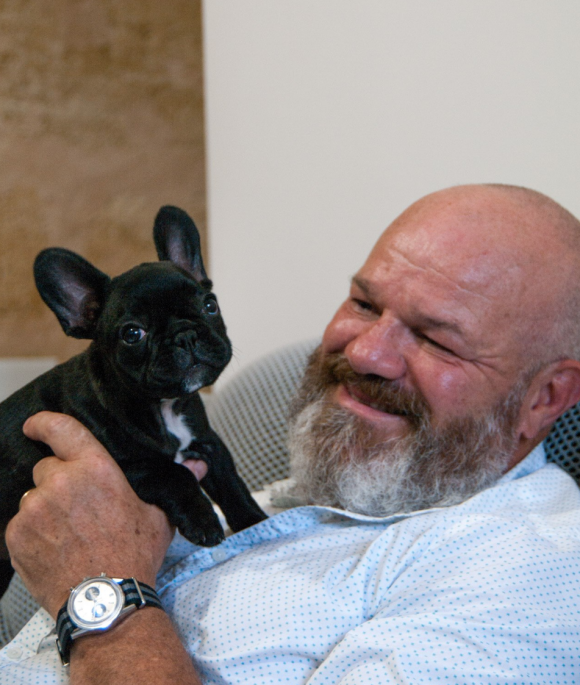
484 592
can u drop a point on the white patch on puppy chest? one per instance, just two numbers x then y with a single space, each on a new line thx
175 424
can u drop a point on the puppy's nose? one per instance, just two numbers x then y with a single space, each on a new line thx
186 339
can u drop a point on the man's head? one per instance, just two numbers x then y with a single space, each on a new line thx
453 355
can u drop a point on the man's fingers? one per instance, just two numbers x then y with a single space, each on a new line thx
44 468
68 438
197 467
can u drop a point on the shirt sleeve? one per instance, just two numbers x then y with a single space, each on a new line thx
31 657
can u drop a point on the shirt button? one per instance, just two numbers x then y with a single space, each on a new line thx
13 652
219 555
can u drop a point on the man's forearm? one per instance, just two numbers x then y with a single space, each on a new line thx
143 649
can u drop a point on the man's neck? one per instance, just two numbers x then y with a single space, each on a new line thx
525 447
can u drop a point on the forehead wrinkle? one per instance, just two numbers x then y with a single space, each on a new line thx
440 274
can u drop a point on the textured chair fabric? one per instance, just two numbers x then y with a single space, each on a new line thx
249 413
563 443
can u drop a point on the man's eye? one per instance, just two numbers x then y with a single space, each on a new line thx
362 304
433 343
132 334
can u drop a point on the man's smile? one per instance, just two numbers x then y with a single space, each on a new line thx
353 399
360 396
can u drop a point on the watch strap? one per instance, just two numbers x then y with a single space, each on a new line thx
139 594
136 594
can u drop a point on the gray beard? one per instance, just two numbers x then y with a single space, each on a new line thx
337 460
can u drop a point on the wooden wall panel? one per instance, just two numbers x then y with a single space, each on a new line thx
101 122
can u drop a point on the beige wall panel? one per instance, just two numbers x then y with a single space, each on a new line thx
101 122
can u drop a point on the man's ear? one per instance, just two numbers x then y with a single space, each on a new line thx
552 392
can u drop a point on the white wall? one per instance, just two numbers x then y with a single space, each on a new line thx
326 118
17 371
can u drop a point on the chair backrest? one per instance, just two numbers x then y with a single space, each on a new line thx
250 411
563 443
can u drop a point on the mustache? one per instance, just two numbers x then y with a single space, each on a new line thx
333 369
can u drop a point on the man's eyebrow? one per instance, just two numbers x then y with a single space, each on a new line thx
363 284
431 324
420 320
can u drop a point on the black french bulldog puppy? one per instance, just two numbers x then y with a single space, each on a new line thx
157 338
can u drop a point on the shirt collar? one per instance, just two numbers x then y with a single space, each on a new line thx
534 461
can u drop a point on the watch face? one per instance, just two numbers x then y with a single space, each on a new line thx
95 603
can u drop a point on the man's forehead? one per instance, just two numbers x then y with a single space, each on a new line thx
448 261
478 237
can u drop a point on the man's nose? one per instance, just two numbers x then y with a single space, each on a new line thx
378 349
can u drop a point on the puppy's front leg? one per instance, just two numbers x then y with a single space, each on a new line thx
223 484
175 490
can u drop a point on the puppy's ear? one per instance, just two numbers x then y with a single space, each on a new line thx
73 288
177 240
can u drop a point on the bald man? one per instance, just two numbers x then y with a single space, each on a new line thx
434 544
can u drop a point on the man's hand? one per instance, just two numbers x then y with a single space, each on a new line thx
82 518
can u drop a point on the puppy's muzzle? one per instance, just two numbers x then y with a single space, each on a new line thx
186 340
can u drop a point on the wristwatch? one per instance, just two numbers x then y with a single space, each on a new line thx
96 605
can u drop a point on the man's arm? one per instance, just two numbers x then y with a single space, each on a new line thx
82 519
143 649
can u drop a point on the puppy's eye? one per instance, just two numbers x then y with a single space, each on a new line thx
210 306
132 334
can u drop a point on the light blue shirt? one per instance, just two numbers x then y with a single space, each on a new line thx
484 592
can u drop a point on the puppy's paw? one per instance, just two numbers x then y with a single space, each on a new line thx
202 529
245 519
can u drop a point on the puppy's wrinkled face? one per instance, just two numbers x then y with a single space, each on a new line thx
162 331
